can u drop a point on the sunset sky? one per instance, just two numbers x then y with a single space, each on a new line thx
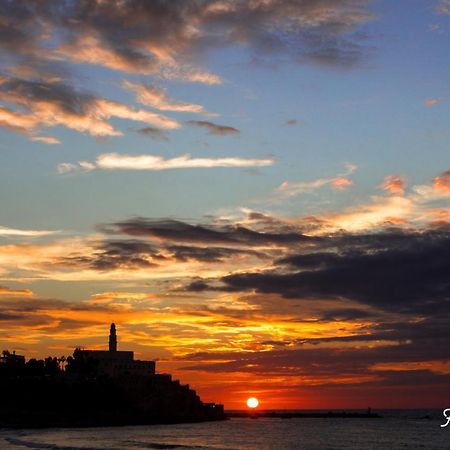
256 192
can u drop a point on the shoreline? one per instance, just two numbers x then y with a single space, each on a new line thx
47 423
42 422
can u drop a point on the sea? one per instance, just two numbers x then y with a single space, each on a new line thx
397 429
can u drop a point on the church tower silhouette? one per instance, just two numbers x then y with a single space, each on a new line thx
112 338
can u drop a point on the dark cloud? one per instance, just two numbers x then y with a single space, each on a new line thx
254 172
132 35
113 255
132 254
208 254
328 51
311 260
214 129
25 93
392 270
21 25
6 316
178 231
404 272
346 314
153 133
198 286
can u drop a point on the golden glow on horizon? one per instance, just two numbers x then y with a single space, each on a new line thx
252 402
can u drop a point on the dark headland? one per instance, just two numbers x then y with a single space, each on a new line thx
95 388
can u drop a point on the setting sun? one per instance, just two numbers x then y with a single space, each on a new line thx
252 402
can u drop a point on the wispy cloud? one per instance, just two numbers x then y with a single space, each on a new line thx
153 162
154 133
381 211
139 60
4 231
89 49
5 290
213 128
49 104
397 209
85 166
116 161
157 98
394 184
46 139
443 6
442 182
432 101
339 182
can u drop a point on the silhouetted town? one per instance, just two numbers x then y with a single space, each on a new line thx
95 388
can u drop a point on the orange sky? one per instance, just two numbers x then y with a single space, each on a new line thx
256 192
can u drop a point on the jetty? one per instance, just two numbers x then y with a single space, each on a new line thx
304 414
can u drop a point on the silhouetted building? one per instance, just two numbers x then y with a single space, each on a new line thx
12 358
113 362
95 388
